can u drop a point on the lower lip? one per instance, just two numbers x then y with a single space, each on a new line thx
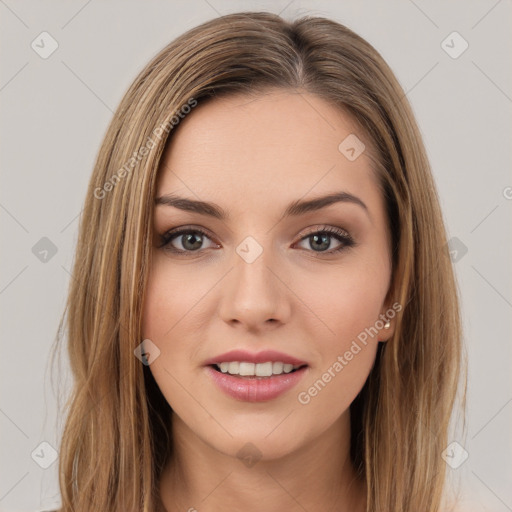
253 389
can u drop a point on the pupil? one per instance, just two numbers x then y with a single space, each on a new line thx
324 238
193 246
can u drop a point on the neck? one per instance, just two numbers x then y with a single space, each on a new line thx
318 476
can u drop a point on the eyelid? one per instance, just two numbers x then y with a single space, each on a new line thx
326 228
336 232
175 232
342 235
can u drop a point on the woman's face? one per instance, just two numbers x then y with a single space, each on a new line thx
262 277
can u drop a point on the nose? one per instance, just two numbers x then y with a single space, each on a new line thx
255 295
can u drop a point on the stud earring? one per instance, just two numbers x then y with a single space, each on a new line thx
387 325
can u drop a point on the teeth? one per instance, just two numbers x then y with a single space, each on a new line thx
223 367
288 368
246 369
256 370
277 368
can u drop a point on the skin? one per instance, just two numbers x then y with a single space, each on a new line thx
253 156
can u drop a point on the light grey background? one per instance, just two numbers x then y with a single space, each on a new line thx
56 111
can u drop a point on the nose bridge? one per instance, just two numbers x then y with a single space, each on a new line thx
253 293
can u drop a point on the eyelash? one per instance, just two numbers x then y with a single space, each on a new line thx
340 235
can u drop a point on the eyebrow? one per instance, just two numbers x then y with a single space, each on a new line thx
296 208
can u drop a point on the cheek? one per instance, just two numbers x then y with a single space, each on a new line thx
346 304
173 310
343 302
171 294
168 321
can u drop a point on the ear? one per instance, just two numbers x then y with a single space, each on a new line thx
389 314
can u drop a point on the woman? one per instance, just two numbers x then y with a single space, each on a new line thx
263 313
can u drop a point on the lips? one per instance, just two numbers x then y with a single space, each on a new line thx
259 357
250 389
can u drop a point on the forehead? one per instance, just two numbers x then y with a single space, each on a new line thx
277 145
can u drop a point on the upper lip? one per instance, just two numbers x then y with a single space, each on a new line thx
259 357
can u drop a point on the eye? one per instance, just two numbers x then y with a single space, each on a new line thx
320 240
191 240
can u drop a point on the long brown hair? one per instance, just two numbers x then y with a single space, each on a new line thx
115 441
